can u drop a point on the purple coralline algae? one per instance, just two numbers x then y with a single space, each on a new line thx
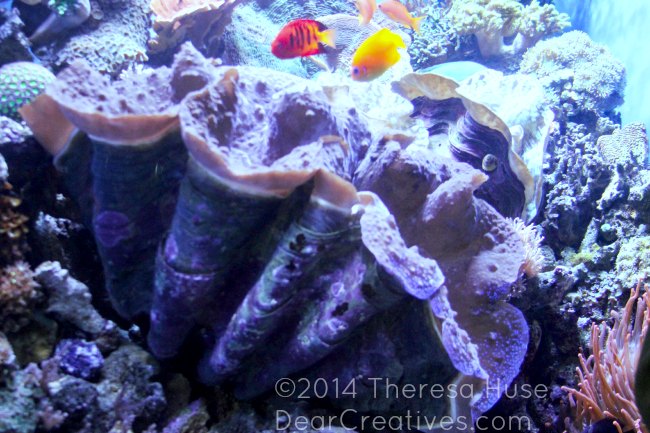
79 358
246 202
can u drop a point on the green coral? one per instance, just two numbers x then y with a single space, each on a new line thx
633 261
20 83
61 7
585 256
493 20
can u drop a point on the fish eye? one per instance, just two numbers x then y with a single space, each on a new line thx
355 70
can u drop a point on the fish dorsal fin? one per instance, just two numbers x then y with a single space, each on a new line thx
388 35
321 27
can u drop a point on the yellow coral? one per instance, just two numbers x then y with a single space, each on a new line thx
539 21
493 20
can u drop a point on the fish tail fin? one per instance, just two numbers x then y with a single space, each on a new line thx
320 64
415 23
328 37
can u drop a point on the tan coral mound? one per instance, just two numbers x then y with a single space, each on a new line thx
626 145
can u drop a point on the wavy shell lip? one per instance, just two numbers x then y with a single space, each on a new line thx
96 106
48 123
419 276
239 161
438 87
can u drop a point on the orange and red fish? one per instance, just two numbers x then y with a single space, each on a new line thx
301 38
367 9
375 55
397 12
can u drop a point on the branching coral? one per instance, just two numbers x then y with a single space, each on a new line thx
606 388
436 39
491 21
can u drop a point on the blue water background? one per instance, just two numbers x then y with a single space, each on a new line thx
624 26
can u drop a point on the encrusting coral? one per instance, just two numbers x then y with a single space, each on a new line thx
606 388
118 41
492 21
230 199
13 226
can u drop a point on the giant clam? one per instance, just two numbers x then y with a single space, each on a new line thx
256 206
495 123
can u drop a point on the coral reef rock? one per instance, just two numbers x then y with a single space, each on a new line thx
14 46
66 15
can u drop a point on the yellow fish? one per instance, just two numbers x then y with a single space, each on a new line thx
367 9
397 12
375 55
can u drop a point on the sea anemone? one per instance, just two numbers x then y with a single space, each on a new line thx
606 388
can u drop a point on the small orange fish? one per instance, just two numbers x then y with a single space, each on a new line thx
367 9
397 12
375 55
301 38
